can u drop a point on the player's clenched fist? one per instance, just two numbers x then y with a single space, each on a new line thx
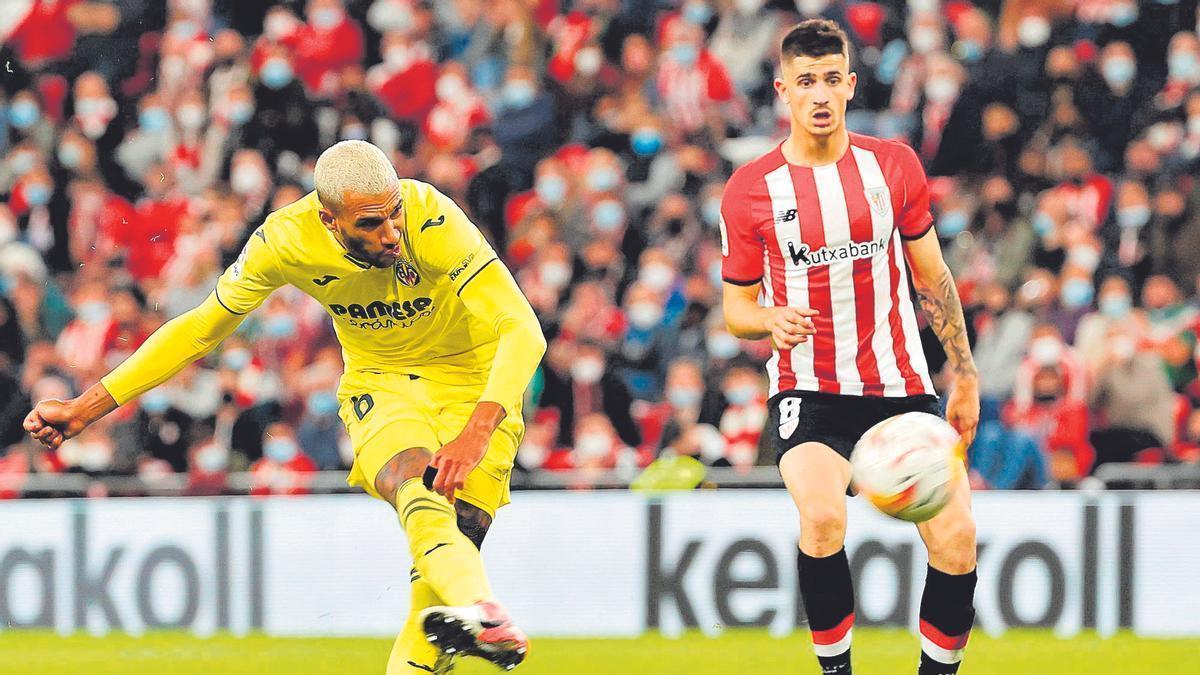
789 326
53 421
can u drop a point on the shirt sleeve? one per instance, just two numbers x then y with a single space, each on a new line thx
741 245
915 218
447 244
177 343
251 278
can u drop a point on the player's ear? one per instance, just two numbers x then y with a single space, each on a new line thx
328 219
781 90
852 80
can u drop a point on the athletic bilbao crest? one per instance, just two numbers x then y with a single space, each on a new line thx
878 199
406 273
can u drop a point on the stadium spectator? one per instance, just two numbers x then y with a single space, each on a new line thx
284 468
579 382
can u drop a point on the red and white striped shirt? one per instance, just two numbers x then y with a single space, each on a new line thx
829 238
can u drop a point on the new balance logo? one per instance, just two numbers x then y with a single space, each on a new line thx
433 223
325 280
785 216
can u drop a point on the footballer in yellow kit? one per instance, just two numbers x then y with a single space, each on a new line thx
439 346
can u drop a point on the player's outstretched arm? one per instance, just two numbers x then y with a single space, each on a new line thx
177 343
745 318
494 298
938 297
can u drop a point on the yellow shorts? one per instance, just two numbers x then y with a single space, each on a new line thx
386 413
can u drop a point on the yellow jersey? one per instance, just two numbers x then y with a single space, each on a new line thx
409 318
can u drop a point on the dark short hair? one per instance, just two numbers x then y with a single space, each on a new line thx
814 37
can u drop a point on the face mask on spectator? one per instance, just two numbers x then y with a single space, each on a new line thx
322 403
212 458
190 116
1115 306
22 162
608 215
1182 66
1119 71
602 179
593 445
276 73
952 223
1084 257
236 359
69 155
23 114
240 112
645 315
94 114
747 7
715 273
386 16
554 273
811 8
741 395
1042 223
245 179
924 39
354 132
551 189
1033 31
93 312
588 61
646 141
155 402
37 194
280 326
450 88
685 54
1076 293
1046 350
326 18
941 89
969 51
280 450
697 12
154 120
518 94
184 29
1122 14
711 211
682 397
587 370
657 276
1133 216
721 345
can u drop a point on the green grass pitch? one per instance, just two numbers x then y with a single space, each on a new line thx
877 652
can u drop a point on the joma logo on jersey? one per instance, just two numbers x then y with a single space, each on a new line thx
802 256
379 309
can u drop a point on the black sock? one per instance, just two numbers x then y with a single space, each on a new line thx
946 617
829 601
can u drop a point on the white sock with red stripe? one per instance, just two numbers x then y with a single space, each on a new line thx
946 618
828 597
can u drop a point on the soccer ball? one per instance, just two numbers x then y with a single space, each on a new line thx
904 464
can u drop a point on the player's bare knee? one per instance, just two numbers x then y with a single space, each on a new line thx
472 521
822 527
404 466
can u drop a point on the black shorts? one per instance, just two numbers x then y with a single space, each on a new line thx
795 417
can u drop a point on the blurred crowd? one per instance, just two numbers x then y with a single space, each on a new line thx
143 141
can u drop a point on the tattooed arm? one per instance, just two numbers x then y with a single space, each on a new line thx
939 300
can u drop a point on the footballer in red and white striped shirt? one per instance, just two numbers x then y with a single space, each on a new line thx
822 237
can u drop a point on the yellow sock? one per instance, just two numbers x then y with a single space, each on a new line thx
442 554
412 654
